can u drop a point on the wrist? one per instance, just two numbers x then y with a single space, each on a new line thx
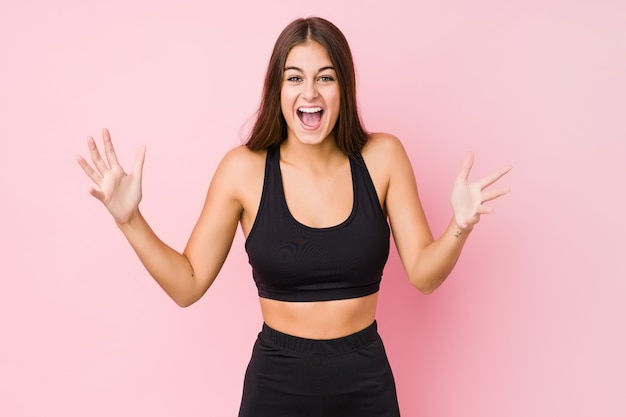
129 222
460 231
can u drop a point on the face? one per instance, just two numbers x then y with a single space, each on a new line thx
309 94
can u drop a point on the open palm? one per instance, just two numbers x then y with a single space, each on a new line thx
118 191
468 198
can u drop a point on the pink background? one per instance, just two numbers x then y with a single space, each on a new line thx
531 322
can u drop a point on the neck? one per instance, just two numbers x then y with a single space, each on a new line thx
317 157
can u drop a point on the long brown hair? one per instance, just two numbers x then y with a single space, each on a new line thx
270 128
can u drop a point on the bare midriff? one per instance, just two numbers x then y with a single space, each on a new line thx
320 319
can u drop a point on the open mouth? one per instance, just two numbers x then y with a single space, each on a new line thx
310 116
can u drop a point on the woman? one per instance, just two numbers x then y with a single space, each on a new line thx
315 196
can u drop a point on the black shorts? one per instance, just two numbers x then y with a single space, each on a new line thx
290 376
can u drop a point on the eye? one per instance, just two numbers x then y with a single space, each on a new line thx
294 79
326 79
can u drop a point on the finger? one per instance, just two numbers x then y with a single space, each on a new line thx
91 173
493 194
482 209
95 156
108 148
491 178
140 157
97 194
469 223
466 168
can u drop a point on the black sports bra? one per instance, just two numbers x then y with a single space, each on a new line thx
293 262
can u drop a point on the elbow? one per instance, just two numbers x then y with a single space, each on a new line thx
184 301
425 289
427 281
187 294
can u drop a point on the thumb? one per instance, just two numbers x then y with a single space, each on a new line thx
468 162
140 157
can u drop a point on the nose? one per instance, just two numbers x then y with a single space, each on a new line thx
310 90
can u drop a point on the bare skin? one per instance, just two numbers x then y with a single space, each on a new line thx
318 189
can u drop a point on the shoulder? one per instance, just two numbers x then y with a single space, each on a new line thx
242 157
241 162
382 146
383 152
239 170
385 159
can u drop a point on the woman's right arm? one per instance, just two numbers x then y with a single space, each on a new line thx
186 276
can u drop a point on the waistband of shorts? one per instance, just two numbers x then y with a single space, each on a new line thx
322 347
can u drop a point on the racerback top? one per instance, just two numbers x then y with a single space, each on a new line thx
294 262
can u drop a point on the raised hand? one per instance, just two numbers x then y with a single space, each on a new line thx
118 191
468 198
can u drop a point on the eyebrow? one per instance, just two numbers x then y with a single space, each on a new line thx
330 67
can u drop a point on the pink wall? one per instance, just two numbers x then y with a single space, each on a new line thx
531 322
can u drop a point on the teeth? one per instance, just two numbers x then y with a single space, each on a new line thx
310 109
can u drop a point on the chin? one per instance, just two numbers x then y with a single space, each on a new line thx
312 138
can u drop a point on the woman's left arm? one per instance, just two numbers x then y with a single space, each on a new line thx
429 261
